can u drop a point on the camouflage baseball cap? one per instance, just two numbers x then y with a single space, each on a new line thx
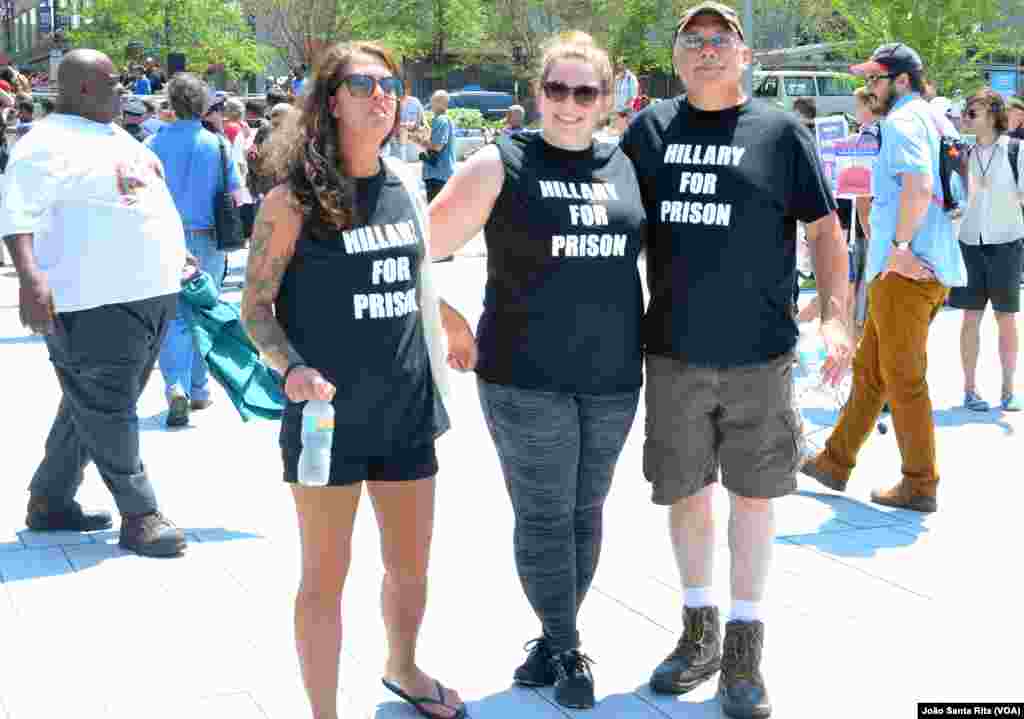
726 13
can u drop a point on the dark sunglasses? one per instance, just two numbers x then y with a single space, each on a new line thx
972 114
584 95
697 41
872 79
363 86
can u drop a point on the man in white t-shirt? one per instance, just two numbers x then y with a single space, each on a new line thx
100 252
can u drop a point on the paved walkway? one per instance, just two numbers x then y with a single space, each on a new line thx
870 610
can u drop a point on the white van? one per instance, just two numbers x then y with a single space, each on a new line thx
832 91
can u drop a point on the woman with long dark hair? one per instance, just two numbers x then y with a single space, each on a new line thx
339 300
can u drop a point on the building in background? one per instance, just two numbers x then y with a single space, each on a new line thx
27 30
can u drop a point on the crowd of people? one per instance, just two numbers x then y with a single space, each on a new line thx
710 185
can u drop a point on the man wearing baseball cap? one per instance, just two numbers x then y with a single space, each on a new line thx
913 260
134 112
725 180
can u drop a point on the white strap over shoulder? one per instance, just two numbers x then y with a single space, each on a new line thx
430 304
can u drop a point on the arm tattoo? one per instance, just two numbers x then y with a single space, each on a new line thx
264 274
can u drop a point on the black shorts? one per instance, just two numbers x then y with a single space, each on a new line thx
402 466
993 275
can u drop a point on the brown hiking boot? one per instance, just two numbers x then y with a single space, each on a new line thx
818 467
741 690
151 535
696 657
42 517
918 496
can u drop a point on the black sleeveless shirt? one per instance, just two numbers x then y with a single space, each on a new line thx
563 305
349 306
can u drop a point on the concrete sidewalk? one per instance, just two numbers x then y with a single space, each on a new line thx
870 610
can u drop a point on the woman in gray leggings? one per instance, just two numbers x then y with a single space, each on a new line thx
559 366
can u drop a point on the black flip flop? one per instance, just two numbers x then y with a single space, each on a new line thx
419 702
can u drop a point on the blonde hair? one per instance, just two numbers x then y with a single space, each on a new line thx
577 45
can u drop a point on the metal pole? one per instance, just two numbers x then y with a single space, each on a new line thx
748 28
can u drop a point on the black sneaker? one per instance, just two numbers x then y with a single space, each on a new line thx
696 657
574 684
741 689
536 671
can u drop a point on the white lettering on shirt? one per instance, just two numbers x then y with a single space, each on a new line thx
687 154
384 305
379 237
596 191
588 246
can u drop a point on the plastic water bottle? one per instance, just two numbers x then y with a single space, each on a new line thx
812 388
317 437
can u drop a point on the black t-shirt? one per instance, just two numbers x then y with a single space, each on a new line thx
563 305
723 192
349 306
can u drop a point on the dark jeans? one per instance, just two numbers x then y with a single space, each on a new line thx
103 358
558 453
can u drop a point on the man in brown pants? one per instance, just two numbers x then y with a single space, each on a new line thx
913 260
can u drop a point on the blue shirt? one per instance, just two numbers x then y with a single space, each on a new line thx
153 125
193 170
142 87
910 144
442 132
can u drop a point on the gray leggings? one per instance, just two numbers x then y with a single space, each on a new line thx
558 453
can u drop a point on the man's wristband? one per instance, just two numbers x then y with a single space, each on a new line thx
293 365
900 245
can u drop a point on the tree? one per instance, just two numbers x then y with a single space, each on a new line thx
298 27
952 36
209 32
428 29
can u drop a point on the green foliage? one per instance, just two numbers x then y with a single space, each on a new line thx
952 36
463 117
426 28
467 118
208 31
641 32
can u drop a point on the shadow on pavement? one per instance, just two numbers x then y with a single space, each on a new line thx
53 554
158 423
508 703
24 340
674 706
820 417
867 530
961 416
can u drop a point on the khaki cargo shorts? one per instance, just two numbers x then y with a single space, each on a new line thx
742 421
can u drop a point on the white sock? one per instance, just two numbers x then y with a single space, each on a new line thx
744 611
696 597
